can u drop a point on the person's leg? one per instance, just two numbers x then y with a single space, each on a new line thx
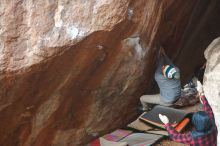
149 99
166 104
188 98
152 99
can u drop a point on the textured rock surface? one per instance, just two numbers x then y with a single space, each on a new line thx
212 79
71 70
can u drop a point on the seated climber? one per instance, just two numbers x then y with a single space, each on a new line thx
167 77
205 133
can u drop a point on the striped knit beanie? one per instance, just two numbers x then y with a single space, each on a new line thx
170 72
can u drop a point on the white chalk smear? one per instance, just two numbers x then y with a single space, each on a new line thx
130 13
57 18
135 44
72 31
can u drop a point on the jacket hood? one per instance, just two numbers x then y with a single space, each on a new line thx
202 124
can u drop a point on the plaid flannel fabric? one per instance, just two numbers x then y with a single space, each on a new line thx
186 138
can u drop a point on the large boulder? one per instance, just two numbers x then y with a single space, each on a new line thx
71 70
212 79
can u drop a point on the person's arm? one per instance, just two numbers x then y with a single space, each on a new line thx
206 107
178 137
174 135
161 61
167 60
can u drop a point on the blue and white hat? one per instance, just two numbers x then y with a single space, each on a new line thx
170 72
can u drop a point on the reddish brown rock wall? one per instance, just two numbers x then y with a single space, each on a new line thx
72 70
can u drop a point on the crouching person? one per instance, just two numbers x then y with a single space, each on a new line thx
205 133
167 76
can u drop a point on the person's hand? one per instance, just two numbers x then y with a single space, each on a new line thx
200 99
164 119
161 51
199 88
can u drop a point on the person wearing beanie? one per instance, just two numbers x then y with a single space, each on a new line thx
167 76
170 71
205 133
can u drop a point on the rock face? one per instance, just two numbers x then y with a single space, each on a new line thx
71 70
212 79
